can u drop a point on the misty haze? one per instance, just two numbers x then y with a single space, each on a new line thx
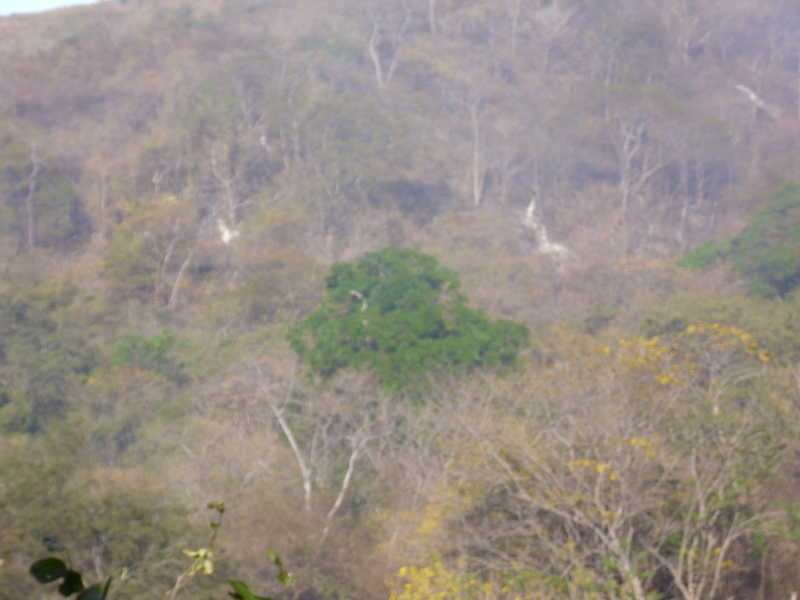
400 300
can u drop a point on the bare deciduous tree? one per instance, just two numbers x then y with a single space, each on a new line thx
636 162
397 23
325 429
618 463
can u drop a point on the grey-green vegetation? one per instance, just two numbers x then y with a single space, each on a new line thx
767 251
512 284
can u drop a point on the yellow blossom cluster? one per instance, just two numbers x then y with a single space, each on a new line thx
675 364
436 582
643 444
651 355
585 464
726 337
431 523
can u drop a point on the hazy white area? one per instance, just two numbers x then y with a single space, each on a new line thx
8 7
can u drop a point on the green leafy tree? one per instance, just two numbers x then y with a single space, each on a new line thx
154 354
767 251
401 314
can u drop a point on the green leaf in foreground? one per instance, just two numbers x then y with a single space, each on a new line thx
242 592
98 591
48 569
72 583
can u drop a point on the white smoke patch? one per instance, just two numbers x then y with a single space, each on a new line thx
227 235
544 245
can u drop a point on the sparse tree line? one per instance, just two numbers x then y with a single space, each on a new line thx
404 110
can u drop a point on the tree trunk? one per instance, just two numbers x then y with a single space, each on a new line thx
345 485
103 206
305 471
37 167
477 175
681 233
226 175
173 297
373 52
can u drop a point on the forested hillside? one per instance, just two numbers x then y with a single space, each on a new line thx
443 298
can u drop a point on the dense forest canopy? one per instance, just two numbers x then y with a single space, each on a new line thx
442 298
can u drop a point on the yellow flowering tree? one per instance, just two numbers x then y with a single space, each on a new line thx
613 466
437 582
723 439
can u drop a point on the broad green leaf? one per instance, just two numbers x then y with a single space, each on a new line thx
98 591
106 587
72 583
93 592
48 569
242 592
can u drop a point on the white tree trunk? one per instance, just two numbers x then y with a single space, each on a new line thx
343 491
373 52
477 171
173 297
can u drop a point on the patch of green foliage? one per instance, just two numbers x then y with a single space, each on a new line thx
155 353
401 314
767 251
127 265
43 355
705 254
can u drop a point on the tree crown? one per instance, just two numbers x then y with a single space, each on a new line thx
400 313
